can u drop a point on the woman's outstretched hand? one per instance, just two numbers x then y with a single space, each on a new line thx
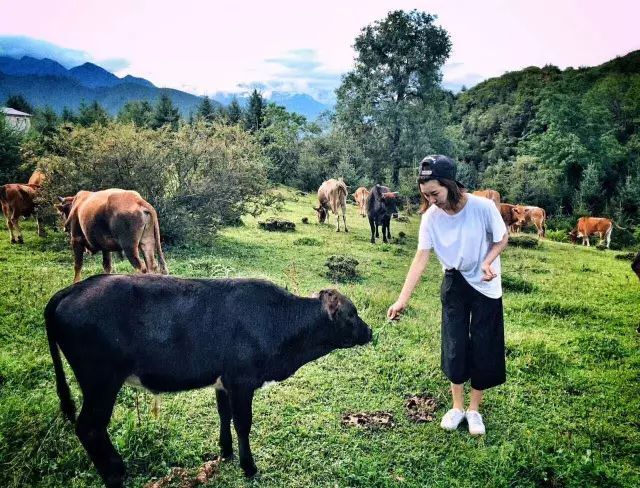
395 310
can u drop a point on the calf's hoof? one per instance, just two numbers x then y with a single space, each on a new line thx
250 471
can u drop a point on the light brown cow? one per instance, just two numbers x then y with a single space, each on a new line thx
490 194
512 216
18 201
37 178
533 215
113 220
361 195
332 195
588 226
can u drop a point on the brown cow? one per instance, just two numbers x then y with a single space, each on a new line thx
512 215
18 201
490 194
533 215
588 226
361 195
37 178
113 220
332 195
635 266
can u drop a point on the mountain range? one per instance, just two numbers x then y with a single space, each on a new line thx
45 82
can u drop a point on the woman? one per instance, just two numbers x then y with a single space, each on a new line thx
467 235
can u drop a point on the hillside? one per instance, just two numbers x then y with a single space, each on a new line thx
562 419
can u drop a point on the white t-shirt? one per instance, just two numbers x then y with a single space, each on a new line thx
461 241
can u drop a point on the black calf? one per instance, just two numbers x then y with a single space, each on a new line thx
381 206
169 334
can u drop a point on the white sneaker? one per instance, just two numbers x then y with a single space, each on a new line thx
452 419
474 419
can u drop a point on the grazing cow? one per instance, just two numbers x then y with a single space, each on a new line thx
361 195
533 215
113 220
169 334
512 215
332 195
490 194
382 205
635 265
37 178
18 201
588 226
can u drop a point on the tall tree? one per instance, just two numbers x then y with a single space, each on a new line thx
206 109
138 112
397 69
166 113
68 115
92 114
254 116
18 102
234 112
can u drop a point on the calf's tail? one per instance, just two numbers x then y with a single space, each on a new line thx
156 234
64 394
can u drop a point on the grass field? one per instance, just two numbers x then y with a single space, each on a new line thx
567 416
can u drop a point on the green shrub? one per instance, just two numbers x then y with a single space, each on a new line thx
523 241
557 235
198 178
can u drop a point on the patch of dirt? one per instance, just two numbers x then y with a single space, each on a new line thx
373 420
184 478
277 225
421 408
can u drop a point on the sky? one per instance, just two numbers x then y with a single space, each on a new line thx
205 47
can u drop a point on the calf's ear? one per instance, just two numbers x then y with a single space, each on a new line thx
330 302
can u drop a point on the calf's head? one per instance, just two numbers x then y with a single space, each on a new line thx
573 235
348 329
322 213
390 202
64 209
519 215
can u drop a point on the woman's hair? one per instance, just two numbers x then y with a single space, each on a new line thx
454 193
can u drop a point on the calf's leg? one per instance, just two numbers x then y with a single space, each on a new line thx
373 230
78 256
106 261
224 411
133 255
241 401
91 429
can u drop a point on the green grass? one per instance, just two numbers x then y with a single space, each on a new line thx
567 416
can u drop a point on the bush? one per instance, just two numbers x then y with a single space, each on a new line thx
198 178
342 268
557 235
524 241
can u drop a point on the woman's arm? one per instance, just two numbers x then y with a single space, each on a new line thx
413 276
488 273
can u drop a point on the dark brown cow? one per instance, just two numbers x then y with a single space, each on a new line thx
635 266
18 201
332 195
361 195
533 215
512 215
490 194
588 226
113 220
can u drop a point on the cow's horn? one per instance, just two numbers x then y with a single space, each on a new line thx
61 199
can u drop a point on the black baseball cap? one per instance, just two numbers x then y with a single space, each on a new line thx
437 166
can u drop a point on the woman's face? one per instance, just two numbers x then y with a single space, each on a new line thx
435 193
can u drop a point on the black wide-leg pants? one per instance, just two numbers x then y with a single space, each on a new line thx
472 334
